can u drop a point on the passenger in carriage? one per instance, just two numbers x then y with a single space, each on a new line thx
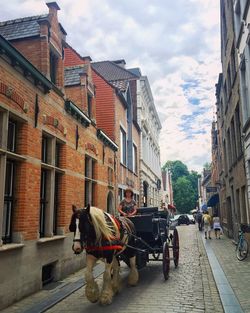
128 205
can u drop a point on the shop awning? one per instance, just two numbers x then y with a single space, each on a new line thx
213 200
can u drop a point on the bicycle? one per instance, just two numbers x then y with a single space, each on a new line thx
242 245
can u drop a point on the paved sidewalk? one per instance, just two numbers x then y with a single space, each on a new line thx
236 272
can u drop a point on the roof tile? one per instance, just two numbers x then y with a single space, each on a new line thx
21 27
72 74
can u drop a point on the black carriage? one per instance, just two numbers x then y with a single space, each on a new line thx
154 240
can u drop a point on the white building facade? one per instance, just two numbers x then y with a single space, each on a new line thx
150 165
242 43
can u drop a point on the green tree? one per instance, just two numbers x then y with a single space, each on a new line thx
185 185
177 169
184 195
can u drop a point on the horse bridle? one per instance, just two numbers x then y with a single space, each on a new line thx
81 240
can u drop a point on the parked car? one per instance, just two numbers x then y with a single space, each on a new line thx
191 218
174 221
183 219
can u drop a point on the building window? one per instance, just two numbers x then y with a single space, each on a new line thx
224 28
233 65
8 201
8 165
43 202
50 185
238 131
11 143
233 141
225 157
89 106
90 182
123 147
244 91
229 149
225 93
110 176
53 67
135 159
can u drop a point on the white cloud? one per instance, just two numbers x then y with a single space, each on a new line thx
175 43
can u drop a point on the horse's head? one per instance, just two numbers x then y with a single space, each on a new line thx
82 227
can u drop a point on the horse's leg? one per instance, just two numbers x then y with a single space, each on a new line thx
133 276
91 289
107 291
116 280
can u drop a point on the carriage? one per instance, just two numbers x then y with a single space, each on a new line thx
154 239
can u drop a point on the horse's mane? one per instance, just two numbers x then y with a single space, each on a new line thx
101 226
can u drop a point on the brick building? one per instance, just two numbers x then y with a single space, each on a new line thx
52 154
232 182
241 31
116 114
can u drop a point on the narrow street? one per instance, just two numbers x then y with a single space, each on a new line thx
190 287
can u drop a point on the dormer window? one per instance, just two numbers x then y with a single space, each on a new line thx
53 67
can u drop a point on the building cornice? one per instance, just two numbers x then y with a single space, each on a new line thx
106 140
76 113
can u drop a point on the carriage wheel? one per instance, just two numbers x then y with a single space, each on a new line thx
166 261
176 247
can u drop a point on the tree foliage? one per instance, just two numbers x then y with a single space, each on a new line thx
185 185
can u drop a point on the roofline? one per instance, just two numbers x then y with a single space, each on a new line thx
22 19
7 48
124 69
81 57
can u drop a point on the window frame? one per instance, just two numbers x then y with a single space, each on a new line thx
90 180
123 146
8 154
53 168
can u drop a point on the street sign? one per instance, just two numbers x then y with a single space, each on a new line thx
211 189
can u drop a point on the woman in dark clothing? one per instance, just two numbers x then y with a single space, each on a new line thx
128 205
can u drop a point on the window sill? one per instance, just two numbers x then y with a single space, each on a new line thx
11 246
48 239
123 165
12 155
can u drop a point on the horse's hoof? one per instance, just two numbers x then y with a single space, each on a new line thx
92 293
106 298
133 279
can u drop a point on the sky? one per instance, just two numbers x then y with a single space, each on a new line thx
175 43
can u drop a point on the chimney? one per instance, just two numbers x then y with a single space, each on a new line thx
121 63
53 8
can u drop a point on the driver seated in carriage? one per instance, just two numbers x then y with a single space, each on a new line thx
128 206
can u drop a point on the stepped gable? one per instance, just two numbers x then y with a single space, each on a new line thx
22 27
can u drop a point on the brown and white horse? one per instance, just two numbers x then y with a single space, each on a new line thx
103 237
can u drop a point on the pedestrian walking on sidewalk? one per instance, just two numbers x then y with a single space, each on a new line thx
207 221
217 226
199 220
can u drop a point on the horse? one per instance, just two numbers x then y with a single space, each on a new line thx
103 237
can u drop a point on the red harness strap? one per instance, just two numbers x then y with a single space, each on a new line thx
104 248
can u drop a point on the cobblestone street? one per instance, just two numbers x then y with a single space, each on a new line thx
183 292
190 287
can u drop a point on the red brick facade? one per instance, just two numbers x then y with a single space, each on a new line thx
55 145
